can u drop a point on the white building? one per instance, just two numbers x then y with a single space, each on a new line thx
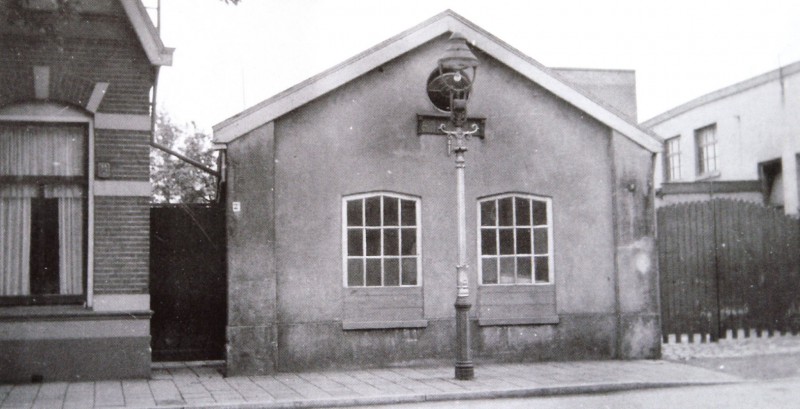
740 141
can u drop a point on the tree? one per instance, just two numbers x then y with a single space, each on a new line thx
173 179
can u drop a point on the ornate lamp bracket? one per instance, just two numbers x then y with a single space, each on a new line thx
458 137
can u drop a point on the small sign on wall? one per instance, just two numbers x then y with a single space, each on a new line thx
236 207
103 170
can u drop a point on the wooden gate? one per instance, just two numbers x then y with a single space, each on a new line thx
187 282
728 265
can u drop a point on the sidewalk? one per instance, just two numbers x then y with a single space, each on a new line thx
203 386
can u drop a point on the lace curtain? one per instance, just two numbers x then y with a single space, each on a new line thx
41 150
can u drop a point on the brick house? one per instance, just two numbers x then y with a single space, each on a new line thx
342 225
741 142
75 127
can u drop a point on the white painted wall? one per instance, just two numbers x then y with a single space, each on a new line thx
754 125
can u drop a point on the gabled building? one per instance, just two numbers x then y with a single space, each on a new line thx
76 104
342 225
741 141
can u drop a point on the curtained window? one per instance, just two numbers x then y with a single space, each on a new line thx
42 211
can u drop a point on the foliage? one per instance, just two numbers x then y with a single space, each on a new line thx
49 17
173 179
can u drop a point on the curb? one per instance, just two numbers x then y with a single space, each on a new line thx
581 389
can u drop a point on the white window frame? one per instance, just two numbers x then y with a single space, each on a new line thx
382 227
672 159
550 251
706 140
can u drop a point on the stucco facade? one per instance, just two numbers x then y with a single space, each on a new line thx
288 178
757 138
87 87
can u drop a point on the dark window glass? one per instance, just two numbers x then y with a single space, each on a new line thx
524 241
373 242
354 213
44 247
355 245
488 213
539 213
409 238
390 211
506 241
489 266
540 240
409 271
373 272
524 270
355 272
507 266
506 211
373 211
391 242
391 272
523 211
408 215
542 269
489 242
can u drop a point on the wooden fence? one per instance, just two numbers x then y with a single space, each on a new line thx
187 282
728 265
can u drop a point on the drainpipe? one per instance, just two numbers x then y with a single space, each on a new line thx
156 145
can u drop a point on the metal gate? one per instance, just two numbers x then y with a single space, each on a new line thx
728 265
187 282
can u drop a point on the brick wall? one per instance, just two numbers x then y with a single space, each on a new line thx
75 68
128 152
99 47
122 245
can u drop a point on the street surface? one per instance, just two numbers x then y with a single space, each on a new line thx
769 366
775 394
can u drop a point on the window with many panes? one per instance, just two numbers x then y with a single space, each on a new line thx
381 236
672 159
706 139
515 241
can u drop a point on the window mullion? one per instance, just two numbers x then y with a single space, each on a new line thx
514 236
364 239
382 256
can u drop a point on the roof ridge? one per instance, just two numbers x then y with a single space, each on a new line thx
723 92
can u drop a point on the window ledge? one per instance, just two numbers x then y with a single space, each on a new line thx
52 312
356 325
543 320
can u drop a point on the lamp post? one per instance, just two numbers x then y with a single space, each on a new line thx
457 69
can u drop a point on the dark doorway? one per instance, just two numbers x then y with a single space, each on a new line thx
188 282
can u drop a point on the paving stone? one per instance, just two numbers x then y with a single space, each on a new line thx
302 387
79 395
108 393
165 392
249 390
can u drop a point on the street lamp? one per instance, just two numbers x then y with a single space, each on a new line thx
457 69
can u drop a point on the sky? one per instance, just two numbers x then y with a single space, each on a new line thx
229 58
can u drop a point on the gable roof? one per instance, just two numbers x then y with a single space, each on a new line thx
447 21
739 87
147 33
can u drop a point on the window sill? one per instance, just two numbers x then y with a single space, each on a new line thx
64 312
543 320
361 325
